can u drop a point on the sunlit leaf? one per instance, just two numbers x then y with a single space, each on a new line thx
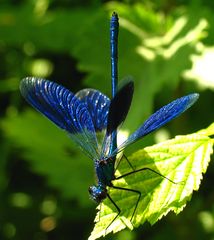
183 160
202 70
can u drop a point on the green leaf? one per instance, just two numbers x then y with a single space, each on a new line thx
182 160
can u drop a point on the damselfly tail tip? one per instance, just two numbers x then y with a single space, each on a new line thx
114 14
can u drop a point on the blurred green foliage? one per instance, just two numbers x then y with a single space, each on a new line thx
167 46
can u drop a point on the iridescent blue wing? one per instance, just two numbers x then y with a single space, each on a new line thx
64 109
159 118
98 106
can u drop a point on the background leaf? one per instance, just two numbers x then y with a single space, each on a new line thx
60 161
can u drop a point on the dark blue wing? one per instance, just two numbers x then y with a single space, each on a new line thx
64 109
159 118
119 106
98 106
118 111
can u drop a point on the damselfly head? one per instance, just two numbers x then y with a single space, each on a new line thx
97 193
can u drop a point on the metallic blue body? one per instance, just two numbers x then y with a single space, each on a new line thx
105 172
114 29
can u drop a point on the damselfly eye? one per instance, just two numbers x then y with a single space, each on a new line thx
97 193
